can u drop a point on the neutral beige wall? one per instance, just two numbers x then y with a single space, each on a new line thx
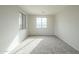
34 31
9 27
67 26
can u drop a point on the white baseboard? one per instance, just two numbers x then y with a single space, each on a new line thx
62 38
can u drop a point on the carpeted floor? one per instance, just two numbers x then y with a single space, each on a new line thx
45 45
53 45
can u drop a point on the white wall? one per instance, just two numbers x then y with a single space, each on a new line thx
24 32
34 31
9 26
67 26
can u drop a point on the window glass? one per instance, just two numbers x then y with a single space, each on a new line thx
41 22
22 21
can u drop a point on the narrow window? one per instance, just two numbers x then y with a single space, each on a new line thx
22 21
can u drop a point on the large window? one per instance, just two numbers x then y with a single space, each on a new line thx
41 22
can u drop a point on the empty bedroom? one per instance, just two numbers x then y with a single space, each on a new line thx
39 29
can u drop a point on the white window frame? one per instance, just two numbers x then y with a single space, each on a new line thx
22 21
41 22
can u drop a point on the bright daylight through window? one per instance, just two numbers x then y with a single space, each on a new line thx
41 22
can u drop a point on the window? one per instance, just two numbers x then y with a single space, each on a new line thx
22 21
41 22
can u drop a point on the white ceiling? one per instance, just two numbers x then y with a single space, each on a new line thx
43 9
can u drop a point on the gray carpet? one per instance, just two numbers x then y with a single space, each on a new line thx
53 45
